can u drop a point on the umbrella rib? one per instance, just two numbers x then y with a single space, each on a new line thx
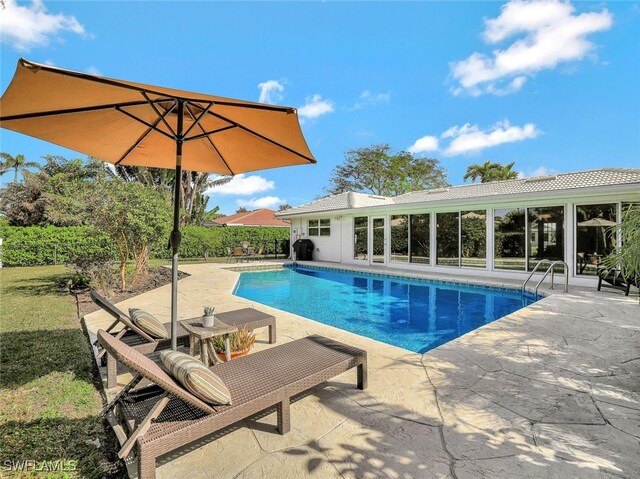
71 110
215 148
196 121
154 128
255 133
160 115
207 133
140 140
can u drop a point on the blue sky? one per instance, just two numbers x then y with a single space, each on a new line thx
552 86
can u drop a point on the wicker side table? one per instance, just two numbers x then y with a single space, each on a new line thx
198 334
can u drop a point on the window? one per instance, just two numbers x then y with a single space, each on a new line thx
595 238
320 227
546 234
400 238
510 239
447 239
360 237
473 236
313 227
419 239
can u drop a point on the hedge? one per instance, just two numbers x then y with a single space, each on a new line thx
41 245
196 240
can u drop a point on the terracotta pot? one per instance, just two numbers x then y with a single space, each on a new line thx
234 355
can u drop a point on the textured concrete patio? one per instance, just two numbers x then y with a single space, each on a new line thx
552 391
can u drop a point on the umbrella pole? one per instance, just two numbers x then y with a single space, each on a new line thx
175 234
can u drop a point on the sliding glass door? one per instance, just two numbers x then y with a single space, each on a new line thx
378 240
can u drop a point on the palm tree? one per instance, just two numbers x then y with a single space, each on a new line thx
18 163
490 171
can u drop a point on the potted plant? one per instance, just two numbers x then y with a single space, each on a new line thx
207 317
240 342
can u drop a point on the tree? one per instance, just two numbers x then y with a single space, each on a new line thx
490 171
18 164
213 213
284 206
134 216
193 186
376 170
242 209
55 195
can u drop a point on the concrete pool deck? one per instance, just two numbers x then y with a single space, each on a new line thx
552 390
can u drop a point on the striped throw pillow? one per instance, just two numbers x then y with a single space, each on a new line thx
198 379
148 323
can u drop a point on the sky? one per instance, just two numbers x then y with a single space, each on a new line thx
553 86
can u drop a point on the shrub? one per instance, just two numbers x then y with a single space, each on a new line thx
196 240
42 245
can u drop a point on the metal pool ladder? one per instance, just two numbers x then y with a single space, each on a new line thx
550 269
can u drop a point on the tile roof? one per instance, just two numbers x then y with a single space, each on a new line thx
261 217
557 182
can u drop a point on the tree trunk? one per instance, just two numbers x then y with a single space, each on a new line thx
142 262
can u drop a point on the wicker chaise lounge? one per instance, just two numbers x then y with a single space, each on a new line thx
161 418
133 336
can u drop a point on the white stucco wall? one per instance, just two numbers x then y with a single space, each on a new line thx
326 248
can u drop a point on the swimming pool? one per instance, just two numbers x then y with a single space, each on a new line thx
414 314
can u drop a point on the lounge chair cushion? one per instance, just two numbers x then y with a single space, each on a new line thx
148 323
196 377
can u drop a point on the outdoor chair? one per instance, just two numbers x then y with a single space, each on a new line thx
161 418
615 279
238 253
259 255
133 336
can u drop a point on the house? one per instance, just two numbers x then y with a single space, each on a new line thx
261 217
500 229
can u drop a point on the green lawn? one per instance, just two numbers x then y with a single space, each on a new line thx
49 402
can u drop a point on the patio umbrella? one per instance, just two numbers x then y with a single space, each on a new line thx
127 123
598 222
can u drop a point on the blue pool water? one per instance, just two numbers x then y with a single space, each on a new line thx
414 314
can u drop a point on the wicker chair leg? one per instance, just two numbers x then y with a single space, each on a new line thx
112 372
272 334
284 416
146 466
362 376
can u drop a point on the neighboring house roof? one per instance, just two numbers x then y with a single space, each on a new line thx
261 217
549 183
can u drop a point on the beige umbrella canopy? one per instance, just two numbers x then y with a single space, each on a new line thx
128 123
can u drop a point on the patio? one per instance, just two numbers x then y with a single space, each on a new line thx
552 390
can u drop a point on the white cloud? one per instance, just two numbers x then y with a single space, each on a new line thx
539 171
315 107
242 185
94 71
549 33
264 202
424 144
368 98
271 92
27 26
470 139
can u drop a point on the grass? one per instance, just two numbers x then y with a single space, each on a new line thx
50 404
